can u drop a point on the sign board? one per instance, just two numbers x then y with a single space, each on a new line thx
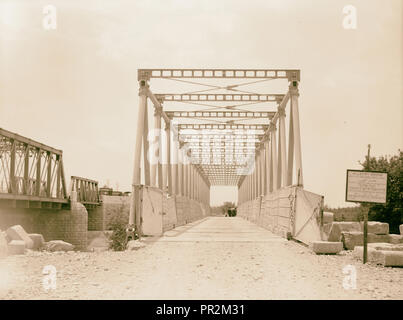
366 186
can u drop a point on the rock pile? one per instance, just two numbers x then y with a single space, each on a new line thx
15 240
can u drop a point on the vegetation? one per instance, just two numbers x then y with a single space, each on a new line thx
116 220
392 211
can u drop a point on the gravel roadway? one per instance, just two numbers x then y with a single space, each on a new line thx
214 258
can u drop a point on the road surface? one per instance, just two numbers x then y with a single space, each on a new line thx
215 258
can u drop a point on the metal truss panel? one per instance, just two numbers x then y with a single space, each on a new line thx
290 74
212 126
220 114
217 97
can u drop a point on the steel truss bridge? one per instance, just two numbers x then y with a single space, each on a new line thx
217 134
32 176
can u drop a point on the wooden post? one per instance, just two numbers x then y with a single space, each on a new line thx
366 209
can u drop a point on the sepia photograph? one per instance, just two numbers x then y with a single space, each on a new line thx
219 152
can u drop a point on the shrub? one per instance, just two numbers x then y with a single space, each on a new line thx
118 237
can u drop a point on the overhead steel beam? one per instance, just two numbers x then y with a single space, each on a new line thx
220 97
221 126
290 74
220 114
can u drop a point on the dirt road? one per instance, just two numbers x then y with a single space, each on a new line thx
215 258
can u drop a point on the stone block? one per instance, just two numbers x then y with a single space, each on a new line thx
58 245
373 255
395 238
386 246
356 238
393 258
38 240
338 227
3 245
17 232
325 247
16 247
328 217
401 229
387 258
377 227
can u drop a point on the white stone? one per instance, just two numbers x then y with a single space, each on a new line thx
38 240
59 245
134 245
16 247
377 227
326 247
17 232
338 227
328 217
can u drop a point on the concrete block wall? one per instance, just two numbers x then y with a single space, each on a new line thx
67 225
96 219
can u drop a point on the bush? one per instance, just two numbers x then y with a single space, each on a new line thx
118 237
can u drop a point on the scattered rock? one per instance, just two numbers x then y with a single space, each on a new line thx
58 246
17 232
16 247
38 240
134 245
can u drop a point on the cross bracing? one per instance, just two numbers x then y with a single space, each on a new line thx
218 134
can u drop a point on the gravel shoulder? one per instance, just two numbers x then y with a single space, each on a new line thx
216 258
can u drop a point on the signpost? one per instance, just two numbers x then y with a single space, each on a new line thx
366 187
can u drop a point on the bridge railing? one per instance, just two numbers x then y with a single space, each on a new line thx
30 170
86 189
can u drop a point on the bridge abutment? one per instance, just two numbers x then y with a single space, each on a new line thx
69 225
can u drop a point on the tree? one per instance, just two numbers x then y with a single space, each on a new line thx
392 211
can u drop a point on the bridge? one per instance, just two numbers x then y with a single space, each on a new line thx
223 134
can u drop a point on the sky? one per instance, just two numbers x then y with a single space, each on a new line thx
75 87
